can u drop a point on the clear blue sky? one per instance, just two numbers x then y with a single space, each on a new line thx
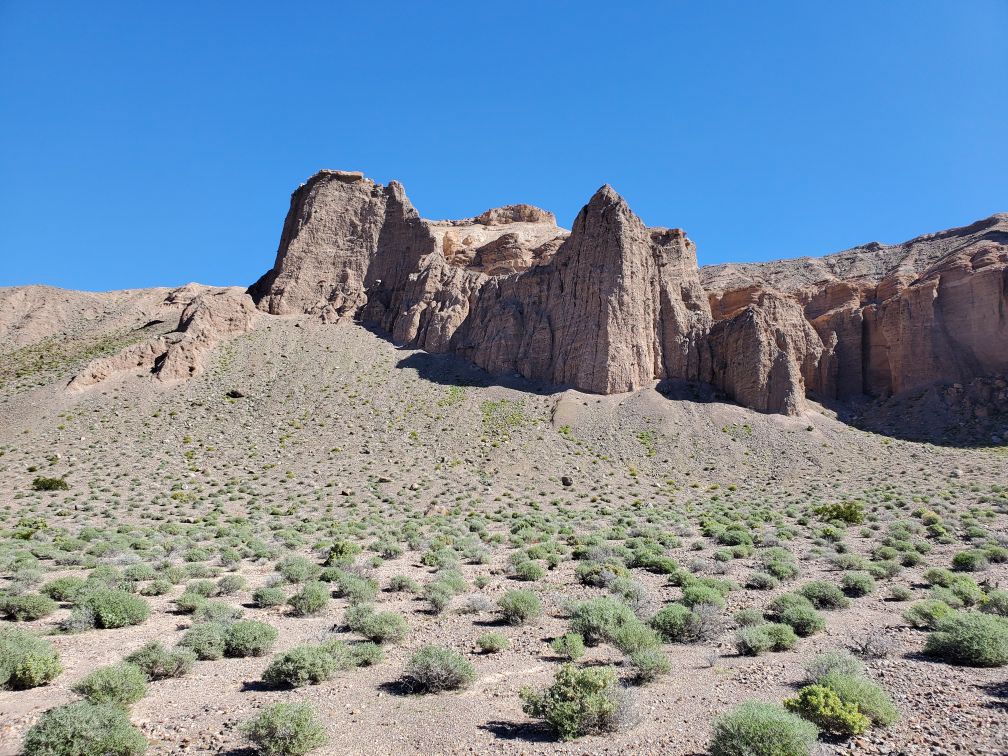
147 143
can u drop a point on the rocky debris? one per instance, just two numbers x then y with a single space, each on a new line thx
210 316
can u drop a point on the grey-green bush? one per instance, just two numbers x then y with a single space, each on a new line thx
761 729
26 661
579 702
160 663
285 729
971 638
434 668
519 607
118 684
84 729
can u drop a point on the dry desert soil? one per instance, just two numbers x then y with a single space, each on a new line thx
419 485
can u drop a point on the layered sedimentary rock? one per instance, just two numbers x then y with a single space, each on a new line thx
609 307
614 305
895 318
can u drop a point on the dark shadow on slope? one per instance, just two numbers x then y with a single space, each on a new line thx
970 417
529 732
450 370
974 416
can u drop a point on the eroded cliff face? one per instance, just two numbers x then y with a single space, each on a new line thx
613 305
894 318
608 307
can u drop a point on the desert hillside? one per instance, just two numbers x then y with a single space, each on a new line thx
429 490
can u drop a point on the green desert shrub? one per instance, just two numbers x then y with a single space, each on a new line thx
771 636
747 617
857 583
138 572
355 588
66 588
114 608
160 663
599 619
694 595
528 570
649 664
869 697
301 665
118 684
847 512
900 593
204 588
365 653
829 662
752 640
971 560
84 729
633 637
229 585
824 595
796 610
267 596
579 702
310 600
285 729
439 595
158 587
298 569
519 607
216 611
996 602
380 627
27 607
971 638
50 484
403 584
821 705
248 638
206 640
675 623
434 668
342 553
761 729
762 581
26 661
926 615
492 643
570 646
782 636
189 601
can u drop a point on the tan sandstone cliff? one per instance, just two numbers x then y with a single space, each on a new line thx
614 305
891 318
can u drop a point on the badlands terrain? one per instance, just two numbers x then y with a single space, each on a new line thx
503 439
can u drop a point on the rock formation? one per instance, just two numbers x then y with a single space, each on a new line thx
614 305
610 307
890 319
208 317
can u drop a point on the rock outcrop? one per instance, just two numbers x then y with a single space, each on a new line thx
614 305
209 316
933 310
